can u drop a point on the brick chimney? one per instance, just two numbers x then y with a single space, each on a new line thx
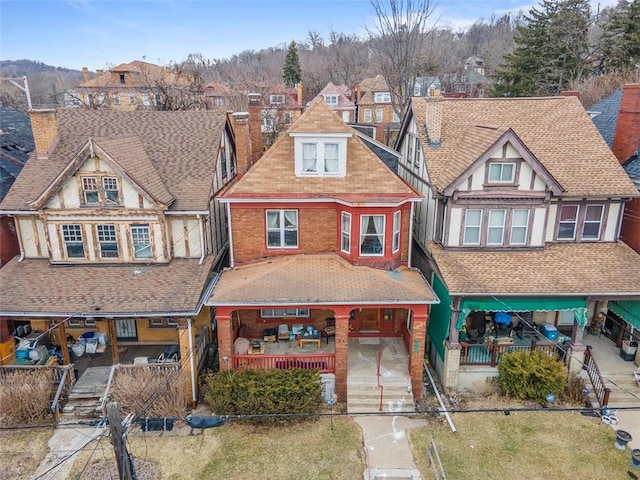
99 72
85 74
299 88
627 136
45 130
255 125
240 122
433 119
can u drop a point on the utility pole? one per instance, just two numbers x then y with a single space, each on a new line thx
24 87
117 439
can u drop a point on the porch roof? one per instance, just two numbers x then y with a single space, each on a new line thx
324 279
571 269
36 288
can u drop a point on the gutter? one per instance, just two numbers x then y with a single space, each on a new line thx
232 262
410 236
193 375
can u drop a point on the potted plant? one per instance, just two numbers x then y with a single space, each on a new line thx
622 438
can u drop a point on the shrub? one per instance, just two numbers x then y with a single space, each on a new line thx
25 396
263 392
575 390
531 376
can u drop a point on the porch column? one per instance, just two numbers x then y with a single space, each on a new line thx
190 390
113 339
62 332
575 349
342 348
416 347
225 337
452 350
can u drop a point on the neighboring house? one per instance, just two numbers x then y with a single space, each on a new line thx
136 86
522 209
617 117
320 229
16 142
281 106
224 98
465 83
338 97
427 87
375 108
118 227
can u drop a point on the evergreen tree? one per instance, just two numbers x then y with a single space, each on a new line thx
620 39
291 72
551 50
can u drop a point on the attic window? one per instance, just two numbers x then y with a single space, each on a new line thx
90 189
502 172
320 155
331 100
122 80
276 99
382 97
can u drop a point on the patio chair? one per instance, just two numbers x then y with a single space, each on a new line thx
283 332
330 329
169 354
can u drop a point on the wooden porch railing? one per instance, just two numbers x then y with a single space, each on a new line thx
325 362
597 382
489 354
201 348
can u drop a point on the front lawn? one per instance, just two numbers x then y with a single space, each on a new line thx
523 445
21 452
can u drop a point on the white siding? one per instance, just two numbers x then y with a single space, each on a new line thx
88 233
537 227
512 152
539 185
455 227
158 242
612 222
195 249
477 179
57 254
177 237
524 181
28 238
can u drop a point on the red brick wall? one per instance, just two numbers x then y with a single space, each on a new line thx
9 247
249 231
630 232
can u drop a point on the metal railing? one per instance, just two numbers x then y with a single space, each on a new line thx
67 380
600 390
381 387
489 354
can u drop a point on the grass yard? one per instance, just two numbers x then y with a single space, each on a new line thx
21 452
311 450
523 445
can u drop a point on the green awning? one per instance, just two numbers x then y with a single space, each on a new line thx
628 310
519 304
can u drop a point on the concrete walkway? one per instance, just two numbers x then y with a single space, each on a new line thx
387 450
63 445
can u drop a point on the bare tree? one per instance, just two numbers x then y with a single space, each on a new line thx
399 36
348 59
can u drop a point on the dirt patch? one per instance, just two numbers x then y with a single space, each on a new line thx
21 452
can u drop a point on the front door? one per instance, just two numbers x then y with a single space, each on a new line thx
126 330
369 320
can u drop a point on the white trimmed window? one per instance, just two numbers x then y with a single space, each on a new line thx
324 156
282 229
345 242
567 222
372 235
495 229
519 227
396 231
378 115
331 100
108 241
592 222
110 186
141 240
284 312
276 99
502 172
382 97
367 115
90 189
72 237
472 223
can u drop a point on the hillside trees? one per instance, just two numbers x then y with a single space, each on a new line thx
552 50
291 72
620 39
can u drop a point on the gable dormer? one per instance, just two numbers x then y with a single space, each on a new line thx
320 154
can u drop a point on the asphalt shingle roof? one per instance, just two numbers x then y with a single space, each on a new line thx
367 177
35 286
557 131
606 115
181 146
318 279
562 269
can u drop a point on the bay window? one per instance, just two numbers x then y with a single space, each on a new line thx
345 235
372 234
396 232
592 222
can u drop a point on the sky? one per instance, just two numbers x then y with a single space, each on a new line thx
102 33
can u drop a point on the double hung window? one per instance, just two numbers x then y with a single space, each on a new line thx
396 231
345 242
372 235
141 240
568 222
72 237
502 172
495 229
108 241
382 97
592 222
472 226
519 227
282 228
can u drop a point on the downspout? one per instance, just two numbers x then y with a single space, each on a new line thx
19 236
193 374
202 249
410 235
232 262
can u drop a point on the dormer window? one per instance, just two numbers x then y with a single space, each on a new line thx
502 172
320 155
331 100
102 190
382 97
276 99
